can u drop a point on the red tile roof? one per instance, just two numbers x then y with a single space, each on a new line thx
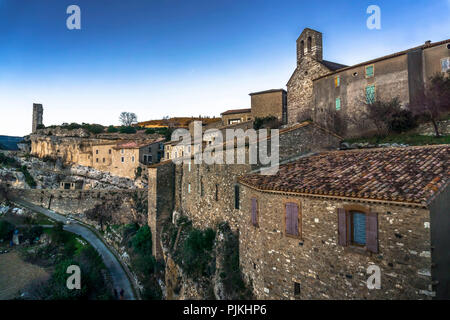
136 144
410 175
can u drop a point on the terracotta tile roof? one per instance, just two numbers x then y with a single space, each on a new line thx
409 175
236 111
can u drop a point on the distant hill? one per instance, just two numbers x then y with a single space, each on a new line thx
9 143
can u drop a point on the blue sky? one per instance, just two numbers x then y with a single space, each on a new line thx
180 58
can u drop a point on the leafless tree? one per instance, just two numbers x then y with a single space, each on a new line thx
433 101
127 118
101 213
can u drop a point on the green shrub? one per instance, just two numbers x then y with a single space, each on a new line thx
142 241
28 177
150 131
93 128
8 161
112 129
402 121
127 130
72 126
40 126
6 230
270 122
196 252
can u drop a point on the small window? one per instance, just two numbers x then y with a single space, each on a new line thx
355 74
109 151
254 212
337 81
104 160
150 158
96 160
445 64
338 104
132 159
96 151
358 228
217 193
370 94
296 289
302 48
167 156
189 188
149 149
122 151
236 197
370 71
202 191
309 44
122 159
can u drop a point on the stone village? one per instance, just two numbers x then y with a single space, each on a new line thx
309 231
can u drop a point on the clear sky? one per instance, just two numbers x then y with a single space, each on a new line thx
181 58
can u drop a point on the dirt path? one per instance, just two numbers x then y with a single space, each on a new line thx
16 274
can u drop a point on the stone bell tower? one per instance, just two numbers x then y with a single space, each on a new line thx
309 44
38 112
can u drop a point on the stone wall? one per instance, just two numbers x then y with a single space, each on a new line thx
161 198
206 193
270 103
273 262
77 202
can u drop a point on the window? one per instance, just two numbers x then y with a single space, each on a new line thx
370 71
302 48
149 149
292 225
145 159
217 193
296 289
168 156
96 160
103 160
109 151
338 104
132 159
202 191
122 159
96 151
150 158
370 94
445 64
337 81
358 227
122 151
189 167
189 188
254 212
309 44
236 197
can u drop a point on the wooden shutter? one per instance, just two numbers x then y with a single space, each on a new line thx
292 219
342 227
254 212
372 231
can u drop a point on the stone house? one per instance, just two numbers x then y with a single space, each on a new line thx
236 116
312 230
269 103
71 185
401 75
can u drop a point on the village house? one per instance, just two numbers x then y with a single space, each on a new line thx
269 103
312 230
319 87
236 116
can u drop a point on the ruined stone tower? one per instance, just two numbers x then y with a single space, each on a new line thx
38 111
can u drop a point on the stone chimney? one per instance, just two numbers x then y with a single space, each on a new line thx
38 111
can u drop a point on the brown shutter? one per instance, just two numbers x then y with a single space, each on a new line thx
342 227
372 231
292 219
254 211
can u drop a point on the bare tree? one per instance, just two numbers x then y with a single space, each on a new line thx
101 213
433 101
127 118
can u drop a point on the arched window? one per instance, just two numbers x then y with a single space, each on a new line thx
309 44
302 48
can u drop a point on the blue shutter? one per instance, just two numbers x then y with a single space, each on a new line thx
359 228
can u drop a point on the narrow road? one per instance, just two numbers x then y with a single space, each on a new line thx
118 275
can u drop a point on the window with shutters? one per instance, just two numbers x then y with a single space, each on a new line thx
292 219
370 71
337 81
338 104
370 94
358 227
254 212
